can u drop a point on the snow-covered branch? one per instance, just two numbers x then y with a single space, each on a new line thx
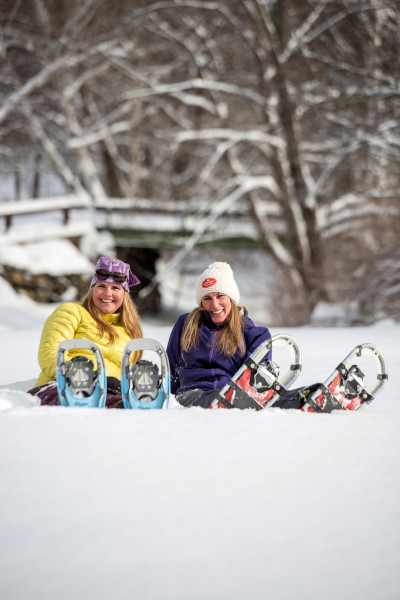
40 79
253 136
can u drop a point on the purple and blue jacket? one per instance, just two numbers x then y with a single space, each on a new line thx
203 367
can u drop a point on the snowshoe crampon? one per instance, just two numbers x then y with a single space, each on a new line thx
257 383
145 384
78 383
345 388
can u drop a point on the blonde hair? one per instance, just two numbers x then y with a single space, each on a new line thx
128 314
229 337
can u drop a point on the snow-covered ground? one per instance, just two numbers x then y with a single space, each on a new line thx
190 504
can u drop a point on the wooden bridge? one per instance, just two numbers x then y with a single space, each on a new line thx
132 221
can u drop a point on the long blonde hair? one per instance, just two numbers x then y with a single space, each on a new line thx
128 314
229 337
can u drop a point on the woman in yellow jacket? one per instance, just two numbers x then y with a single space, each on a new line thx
107 316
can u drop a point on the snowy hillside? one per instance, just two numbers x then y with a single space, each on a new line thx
188 504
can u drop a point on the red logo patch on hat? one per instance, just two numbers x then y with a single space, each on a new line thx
208 282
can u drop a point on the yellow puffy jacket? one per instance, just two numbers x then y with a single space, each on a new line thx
69 321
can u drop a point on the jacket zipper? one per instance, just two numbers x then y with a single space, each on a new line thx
210 355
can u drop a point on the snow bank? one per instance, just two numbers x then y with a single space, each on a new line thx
53 257
11 399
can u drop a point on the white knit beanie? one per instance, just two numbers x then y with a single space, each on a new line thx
217 278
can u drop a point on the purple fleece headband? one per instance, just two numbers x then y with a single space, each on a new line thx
114 265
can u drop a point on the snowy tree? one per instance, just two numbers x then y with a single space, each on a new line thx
287 109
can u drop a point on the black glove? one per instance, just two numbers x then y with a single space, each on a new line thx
113 386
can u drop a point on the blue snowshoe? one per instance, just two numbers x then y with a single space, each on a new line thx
145 384
78 383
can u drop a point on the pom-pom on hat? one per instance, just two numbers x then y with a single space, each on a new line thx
218 277
113 270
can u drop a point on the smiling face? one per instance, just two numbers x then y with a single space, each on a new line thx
218 305
108 297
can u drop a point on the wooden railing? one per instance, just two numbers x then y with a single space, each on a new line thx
9 210
173 218
65 204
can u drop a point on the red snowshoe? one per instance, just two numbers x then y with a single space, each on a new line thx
345 389
257 383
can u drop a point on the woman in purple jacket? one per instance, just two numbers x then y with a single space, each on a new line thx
208 345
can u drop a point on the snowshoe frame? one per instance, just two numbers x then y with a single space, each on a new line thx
254 363
329 396
65 394
129 397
